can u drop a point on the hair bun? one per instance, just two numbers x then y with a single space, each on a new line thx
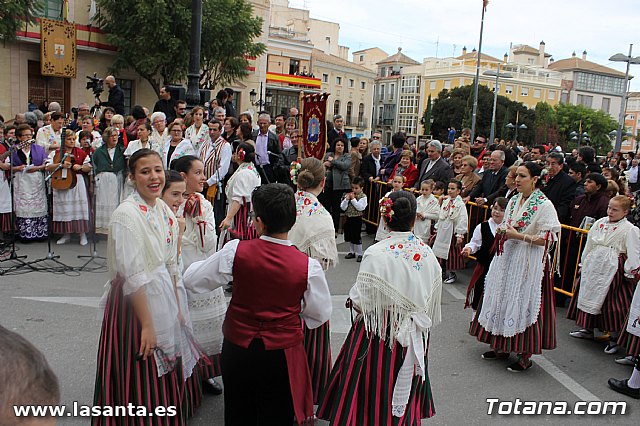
305 179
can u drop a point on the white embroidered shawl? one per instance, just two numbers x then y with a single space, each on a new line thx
313 233
398 290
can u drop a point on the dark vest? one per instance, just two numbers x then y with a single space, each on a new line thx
485 254
269 281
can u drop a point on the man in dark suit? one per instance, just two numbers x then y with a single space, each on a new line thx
560 187
434 167
336 132
116 96
166 104
229 107
268 153
492 180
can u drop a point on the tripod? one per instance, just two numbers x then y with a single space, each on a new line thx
51 256
92 223
13 256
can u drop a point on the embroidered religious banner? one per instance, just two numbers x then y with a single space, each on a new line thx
58 48
314 125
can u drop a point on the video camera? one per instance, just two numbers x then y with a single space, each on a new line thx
95 84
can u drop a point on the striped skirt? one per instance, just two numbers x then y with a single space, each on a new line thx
70 227
317 344
361 384
615 307
121 379
5 222
538 336
629 341
456 261
242 229
211 369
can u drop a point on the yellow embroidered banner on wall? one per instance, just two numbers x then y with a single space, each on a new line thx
58 48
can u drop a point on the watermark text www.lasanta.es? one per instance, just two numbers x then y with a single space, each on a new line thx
560 408
79 410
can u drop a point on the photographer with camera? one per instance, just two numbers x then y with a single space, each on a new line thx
116 95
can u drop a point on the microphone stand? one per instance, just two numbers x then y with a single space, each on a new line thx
51 256
13 256
92 218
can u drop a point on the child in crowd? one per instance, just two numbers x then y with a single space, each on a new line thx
428 210
353 204
481 245
438 190
603 293
396 185
451 229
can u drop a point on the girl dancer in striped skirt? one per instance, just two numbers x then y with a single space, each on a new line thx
380 376
314 234
520 319
146 351
603 293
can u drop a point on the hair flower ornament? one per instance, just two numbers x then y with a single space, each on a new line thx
240 154
386 208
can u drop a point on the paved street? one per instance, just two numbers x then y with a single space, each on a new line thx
58 313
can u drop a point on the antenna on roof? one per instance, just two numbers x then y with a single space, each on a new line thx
437 45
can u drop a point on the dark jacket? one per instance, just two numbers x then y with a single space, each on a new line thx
440 172
230 109
273 145
332 135
490 184
594 206
116 99
368 167
167 107
561 190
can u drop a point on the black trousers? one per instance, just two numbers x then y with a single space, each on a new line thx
335 196
256 386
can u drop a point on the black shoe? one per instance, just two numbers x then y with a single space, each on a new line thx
622 386
493 355
359 259
518 366
228 289
212 387
350 256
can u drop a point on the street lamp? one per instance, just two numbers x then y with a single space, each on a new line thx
578 137
268 97
614 133
512 126
495 97
193 75
619 57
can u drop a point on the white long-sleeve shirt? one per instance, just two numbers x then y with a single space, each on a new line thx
359 205
217 270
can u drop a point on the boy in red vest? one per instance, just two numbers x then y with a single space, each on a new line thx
264 366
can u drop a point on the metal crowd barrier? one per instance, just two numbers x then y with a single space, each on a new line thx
571 242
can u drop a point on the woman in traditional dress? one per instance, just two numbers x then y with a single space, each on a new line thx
109 169
160 133
380 376
314 234
207 310
146 351
70 206
198 132
517 311
88 126
603 292
245 179
176 147
29 190
144 141
5 189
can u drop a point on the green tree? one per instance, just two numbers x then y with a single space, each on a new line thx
151 37
545 121
227 41
15 14
426 118
596 123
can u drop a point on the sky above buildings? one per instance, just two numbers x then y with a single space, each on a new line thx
427 28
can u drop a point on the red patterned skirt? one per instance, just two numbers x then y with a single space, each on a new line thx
538 336
630 342
70 227
317 345
122 379
362 380
243 228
